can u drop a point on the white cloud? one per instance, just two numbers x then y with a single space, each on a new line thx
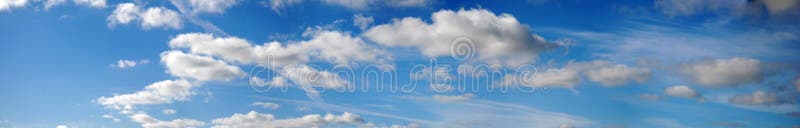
610 74
362 21
8 4
107 116
566 78
776 7
168 111
62 126
50 3
150 18
211 6
277 5
352 4
331 46
92 3
724 72
149 122
123 64
408 3
497 39
160 92
198 67
254 119
453 98
756 98
267 105
307 78
160 17
682 91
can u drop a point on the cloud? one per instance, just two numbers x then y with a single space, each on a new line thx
267 105
776 7
682 91
692 7
277 5
107 116
453 98
362 21
8 4
610 74
664 122
160 92
331 46
198 67
254 119
92 3
150 18
50 3
756 98
307 78
123 64
497 39
566 78
61 126
149 122
724 72
211 6
168 111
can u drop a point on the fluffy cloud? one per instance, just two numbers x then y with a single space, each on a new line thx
160 92
267 105
682 91
756 98
211 6
453 98
149 122
566 78
150 18
307 78
362 21
610 74
197 67
8 4
50 3
254 119
92 3
498 38
333 46
724 72
123 64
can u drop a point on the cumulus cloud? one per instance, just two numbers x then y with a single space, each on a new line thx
609 74
724 72
123 64
267 105
453 98
150 18
160 92
756 98
8 4
254 119
149 122
211 6
331 46
362 21
682 91
497 39
198 67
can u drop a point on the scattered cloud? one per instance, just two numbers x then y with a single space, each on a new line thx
610 74
92 3
362 21
278 5
267 105
254 119
495 39
124 64
149 122
724 72
160 92
682 91
50 3
62 126
211 6
198 67
168 111
150 18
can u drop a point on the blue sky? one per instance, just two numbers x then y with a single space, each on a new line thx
313 63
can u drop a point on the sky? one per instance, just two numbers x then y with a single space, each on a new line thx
399 63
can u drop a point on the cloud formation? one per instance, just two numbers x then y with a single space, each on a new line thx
756 98
160 92
201 68
150 17
724 72
254 119
682 91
